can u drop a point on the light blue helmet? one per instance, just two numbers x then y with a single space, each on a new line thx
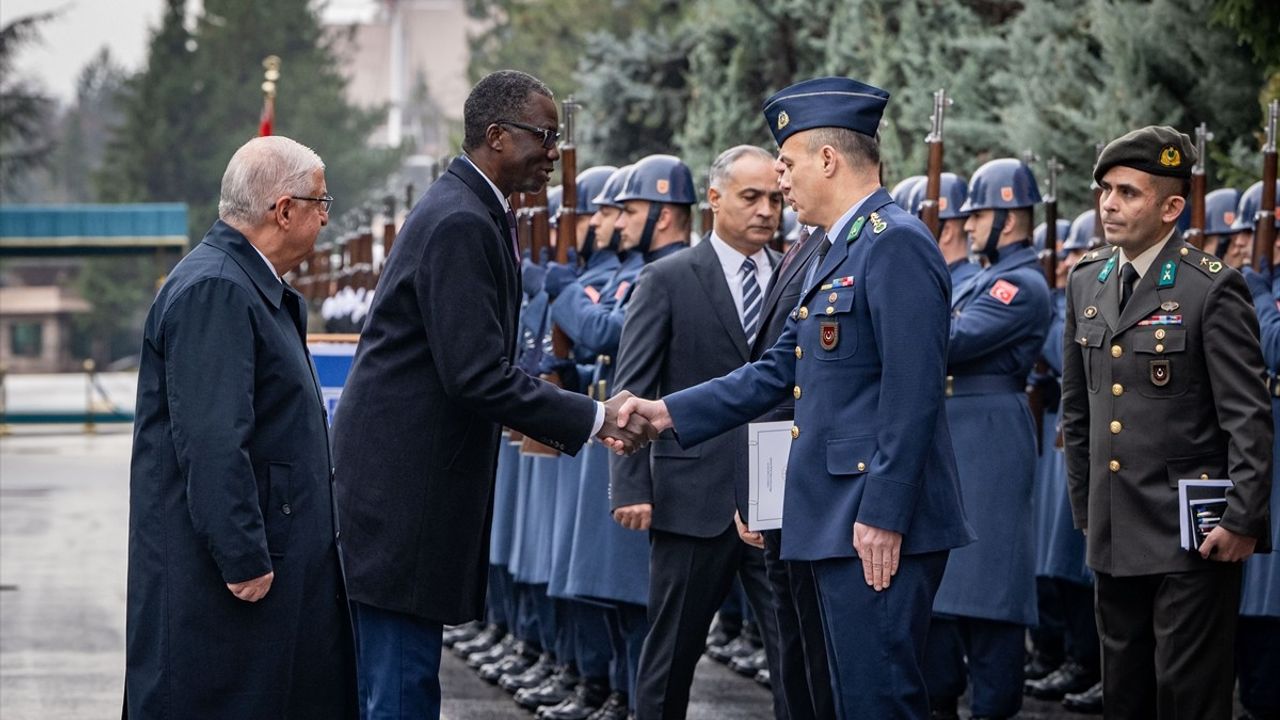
1002 184
1081 236
1038 236
951 196
590 182
1220 211
1250 203
660 179
608 195
901 193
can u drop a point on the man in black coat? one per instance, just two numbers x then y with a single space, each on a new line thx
433 381
693 317
235 604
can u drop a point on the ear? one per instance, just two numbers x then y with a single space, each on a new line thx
493 137
283 208
1010 224
1172 208
830 161
665 218
713 199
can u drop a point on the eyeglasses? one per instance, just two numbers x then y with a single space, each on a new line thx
325 202
549 137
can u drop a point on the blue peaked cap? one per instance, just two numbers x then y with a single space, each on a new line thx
825 102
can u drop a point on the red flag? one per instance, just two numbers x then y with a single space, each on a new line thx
268 120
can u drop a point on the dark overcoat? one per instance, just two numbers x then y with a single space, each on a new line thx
433 381
230 480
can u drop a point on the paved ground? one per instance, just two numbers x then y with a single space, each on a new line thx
63 514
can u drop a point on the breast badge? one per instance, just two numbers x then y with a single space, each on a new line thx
829 334
1159 373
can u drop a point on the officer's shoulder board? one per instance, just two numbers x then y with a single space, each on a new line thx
1100 255
1208 264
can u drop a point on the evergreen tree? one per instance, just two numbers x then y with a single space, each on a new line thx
25 109
198 100
84 129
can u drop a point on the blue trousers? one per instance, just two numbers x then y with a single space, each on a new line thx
994 652
876 640
591 650
397 664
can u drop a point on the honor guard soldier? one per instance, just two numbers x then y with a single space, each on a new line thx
999 319
1219 215
1258 638
1161 382
871 482
1246 222
953 241
1038 236
1065 657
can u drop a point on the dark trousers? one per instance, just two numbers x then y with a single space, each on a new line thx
397 664
1048 637
1168 642
591 646
1080 629
986 654
875 640
499 602
564 649
1258 665
628 626
803 673
688 580
537 613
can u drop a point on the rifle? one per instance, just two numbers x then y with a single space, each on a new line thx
1195 233
568 220
933 183
388 231
1097 198
1050 257
1264 233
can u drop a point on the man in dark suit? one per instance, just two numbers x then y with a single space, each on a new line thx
235 604
872 496
433 381
693 317
802 673
1163 380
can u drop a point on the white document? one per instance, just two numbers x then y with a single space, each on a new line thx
1191 495
768 446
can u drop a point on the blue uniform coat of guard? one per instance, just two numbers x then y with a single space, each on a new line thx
230 480
999 321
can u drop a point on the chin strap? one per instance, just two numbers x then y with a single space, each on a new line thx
646 237
989 249
588 246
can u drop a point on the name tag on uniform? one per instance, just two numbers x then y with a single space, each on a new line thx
1162 320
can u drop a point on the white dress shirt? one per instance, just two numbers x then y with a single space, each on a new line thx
731 264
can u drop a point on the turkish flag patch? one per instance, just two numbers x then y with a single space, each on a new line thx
1004 291
621 292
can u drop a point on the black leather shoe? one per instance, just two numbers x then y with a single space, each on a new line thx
461 633
722 633
481 641
1040 666
587 700
763 677
513 663
1070 678
553 691
493 654
738 647
614 708
1089 701
530 677
749 665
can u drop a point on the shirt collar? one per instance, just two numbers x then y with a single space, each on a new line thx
847 216
270 267
1142 263
731 259
502 200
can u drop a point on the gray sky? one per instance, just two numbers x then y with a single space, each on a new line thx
85 26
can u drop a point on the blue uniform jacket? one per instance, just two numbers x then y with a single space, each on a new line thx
1261 595
864 355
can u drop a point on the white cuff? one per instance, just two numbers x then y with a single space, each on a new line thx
599 421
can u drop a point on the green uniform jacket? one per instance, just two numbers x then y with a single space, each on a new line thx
1173 387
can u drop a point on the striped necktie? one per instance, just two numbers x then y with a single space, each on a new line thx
750 300
515 242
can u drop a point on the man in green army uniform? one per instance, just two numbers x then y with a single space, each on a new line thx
1162 380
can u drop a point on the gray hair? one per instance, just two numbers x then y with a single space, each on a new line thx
861 151
720 168
261 170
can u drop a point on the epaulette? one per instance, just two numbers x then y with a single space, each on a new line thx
1102 253
1204 262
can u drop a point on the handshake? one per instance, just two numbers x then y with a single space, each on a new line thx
631 423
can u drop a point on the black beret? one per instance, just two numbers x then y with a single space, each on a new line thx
1155 149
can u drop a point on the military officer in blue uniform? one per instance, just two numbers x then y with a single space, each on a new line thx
1162 380
1065 658
1258 638
872 497
999 319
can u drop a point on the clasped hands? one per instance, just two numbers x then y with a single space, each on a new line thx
625 431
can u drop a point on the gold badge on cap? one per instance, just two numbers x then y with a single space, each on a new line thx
783 119
664 187
1170 157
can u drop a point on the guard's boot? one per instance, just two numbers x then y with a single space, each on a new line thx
587 700
530 677
551 691
519 659
460 633
1072 677
493 653
1089 701
749 665
614 708
483 640
763 677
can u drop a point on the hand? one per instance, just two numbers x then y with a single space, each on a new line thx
634 517
531 278
1225 546
252 590
624 436
558 278
754 539
879 550
655 411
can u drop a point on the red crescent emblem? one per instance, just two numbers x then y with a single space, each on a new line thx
829 335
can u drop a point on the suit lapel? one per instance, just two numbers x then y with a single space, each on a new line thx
478 185
711 275
798 264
